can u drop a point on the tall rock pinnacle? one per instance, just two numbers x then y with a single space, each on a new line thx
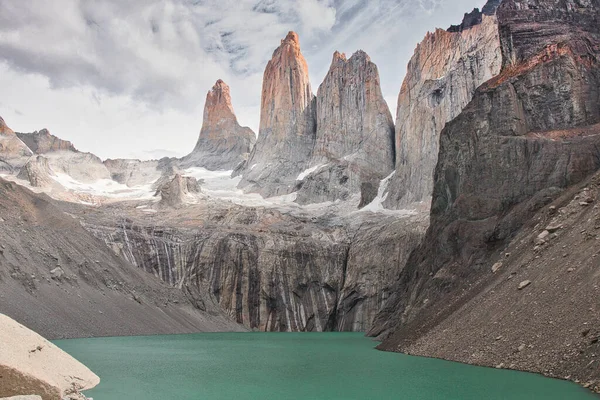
223 143
355 132
442 76
287 123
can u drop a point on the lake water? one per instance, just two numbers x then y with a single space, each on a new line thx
284 366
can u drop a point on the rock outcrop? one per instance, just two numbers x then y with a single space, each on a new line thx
527 134
13 152
41 142
37 172
354 142
177 190
31 364
82 167
442 77
223 143
286 135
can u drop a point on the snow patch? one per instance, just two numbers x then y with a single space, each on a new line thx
309 171
382 194
105 188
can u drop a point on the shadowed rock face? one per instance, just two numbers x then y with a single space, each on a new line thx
442 77
287 124
354 140
223 143
526 135
41 142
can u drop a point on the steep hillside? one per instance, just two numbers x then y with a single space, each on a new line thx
528 134
62 282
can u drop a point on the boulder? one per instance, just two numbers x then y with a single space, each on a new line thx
31 364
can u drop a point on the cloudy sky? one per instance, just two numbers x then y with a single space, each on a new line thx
128 78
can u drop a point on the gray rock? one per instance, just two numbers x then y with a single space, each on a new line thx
524 284
354 142
57 273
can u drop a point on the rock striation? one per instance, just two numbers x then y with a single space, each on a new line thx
31 364
286 134
528 133
41 142
223 143
267 270
354 142
442 77
13 152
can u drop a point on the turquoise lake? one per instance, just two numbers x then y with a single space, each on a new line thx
292 366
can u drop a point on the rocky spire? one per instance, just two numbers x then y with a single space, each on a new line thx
223 143
287 123
355 131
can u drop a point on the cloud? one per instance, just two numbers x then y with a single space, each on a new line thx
152 60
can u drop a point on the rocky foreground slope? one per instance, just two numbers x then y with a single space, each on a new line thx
61 281
527 135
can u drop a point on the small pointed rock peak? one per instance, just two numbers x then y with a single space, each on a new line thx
220 85
337 56
292 37
360 55
218 104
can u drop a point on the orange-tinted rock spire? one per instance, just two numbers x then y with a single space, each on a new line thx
223 143
287 123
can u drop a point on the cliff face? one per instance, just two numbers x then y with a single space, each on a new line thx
13 152
354 140
270 271
223 143
527 134
287 123
41 142
442 77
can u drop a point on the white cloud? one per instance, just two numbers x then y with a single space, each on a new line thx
110 74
